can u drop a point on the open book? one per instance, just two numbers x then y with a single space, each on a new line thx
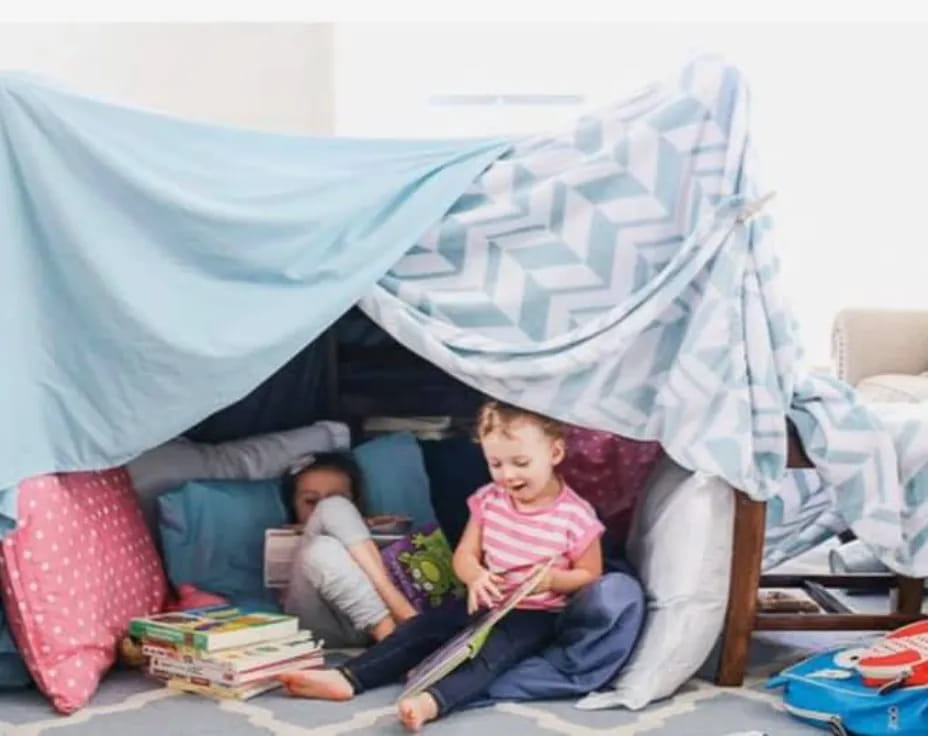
280 546
467 644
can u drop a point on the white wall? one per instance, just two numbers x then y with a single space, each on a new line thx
839 119
269 76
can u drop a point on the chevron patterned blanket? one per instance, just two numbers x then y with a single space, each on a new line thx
618 275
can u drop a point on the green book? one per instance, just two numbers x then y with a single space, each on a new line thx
216 627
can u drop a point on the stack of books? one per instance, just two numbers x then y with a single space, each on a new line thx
224 651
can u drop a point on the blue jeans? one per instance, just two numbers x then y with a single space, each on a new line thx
517 636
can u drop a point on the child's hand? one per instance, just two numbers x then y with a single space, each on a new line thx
544 585
483 591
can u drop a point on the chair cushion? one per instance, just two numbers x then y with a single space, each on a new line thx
894 387
79 566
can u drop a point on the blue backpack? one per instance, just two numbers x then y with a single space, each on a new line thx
827 691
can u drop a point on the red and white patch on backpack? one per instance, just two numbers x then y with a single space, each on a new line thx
900 657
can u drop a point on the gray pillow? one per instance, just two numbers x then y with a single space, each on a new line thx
255 458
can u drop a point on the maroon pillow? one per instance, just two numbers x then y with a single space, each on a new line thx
608 471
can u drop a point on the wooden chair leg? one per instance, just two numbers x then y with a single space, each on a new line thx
910 594
747 554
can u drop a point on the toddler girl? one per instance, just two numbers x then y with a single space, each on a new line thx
524 517
339 587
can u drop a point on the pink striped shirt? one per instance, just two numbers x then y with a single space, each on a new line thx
514 541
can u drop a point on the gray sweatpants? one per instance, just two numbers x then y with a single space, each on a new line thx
328 590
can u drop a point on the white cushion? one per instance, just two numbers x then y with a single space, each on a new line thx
681 544
894 387
254 458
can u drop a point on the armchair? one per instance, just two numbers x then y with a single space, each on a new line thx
882 352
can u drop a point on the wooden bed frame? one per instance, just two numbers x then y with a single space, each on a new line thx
742 619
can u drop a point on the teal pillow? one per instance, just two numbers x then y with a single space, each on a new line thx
212 534
394 477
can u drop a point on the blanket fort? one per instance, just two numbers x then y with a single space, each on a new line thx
155 270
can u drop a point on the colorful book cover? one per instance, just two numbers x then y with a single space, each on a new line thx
217 627
420 564
467 644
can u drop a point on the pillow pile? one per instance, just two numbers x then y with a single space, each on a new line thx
212 531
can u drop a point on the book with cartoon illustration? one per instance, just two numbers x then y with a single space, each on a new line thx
213 628
467 644
421 566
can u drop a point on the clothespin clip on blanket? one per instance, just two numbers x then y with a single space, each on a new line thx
753 209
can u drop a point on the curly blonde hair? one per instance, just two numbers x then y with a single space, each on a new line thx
496 416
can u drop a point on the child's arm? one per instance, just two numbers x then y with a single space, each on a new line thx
481 584
586 568
467 555
367 555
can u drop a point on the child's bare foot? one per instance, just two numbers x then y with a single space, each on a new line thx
418 710
319 684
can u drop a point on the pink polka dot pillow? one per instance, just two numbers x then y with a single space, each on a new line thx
80 564
608 471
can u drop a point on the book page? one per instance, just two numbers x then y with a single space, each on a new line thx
280 546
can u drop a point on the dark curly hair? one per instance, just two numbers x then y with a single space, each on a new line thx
340 462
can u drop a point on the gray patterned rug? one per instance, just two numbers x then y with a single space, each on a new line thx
129 703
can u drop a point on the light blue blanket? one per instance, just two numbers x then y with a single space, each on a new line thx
613 275
153 270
